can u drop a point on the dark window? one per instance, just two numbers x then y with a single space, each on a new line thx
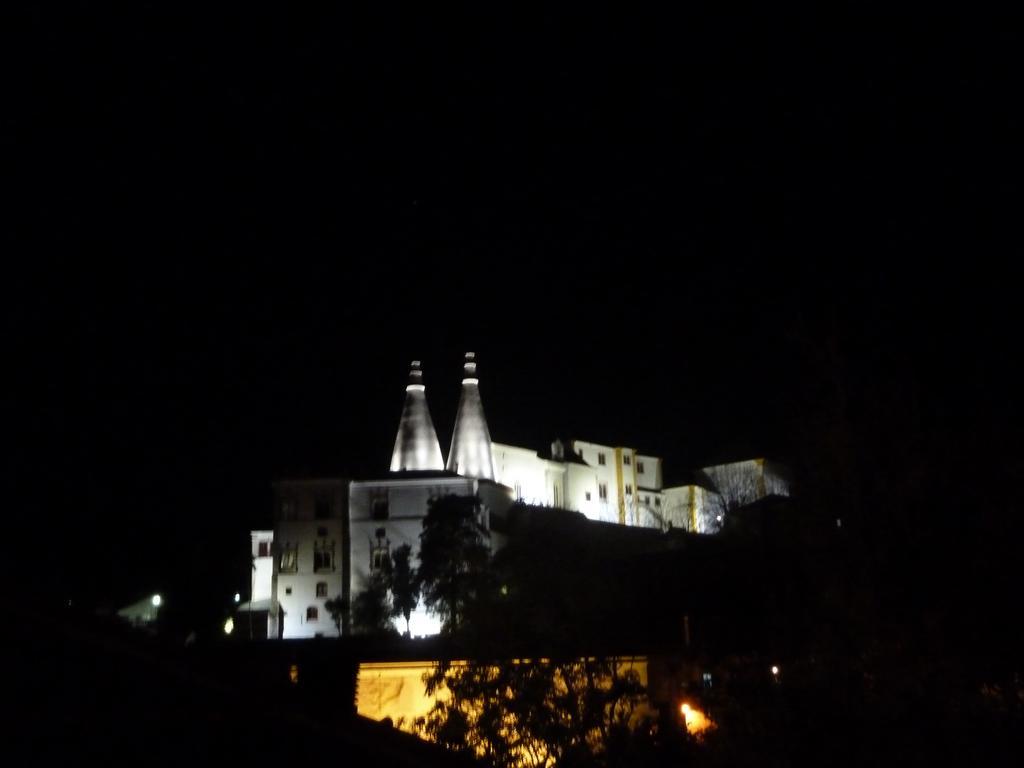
289 558
312 613
287 509
602 491
264 549
647 499
640 467
380 533
657 501
600 459
323 509
321 532
287 590
323 556
629 489
588 495
627 460
321 589
379 507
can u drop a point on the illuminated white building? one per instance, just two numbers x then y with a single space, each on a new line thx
416 446
331 534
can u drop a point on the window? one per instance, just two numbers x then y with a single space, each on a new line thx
323 509
380 557
379 506
640 467
289 558
647 499
287 590
263 549
312 613
629 489
558 496
323 556
600 459
657 501
602 491
321 532
627 460
706 679
287 509
588 495
518 490
321 589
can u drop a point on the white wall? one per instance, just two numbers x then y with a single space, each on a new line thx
261 584
533 480
305 534
407 504
651 476
298 504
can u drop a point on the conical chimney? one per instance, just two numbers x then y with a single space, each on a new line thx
416 445
470 455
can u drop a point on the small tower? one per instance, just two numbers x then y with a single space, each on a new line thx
416 445
470 455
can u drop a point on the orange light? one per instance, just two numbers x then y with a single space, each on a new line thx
696 721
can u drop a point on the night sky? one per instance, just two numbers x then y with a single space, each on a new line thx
235 228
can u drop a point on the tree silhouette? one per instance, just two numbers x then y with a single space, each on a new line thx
405 588
454 553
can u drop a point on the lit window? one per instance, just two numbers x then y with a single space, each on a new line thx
627 460
312 613
600 459
323 556
380 558
289 558
640 467
602 491
321 589
380 553
264 549
588 495
706 679
629 489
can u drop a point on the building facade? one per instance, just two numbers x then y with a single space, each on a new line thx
331 535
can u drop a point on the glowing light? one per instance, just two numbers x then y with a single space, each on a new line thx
156 600
229 626
718 518
775 670
238 598
696 721
293 674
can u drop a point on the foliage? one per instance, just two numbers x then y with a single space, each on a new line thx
404 584
338 608
371 608
534 712
454 554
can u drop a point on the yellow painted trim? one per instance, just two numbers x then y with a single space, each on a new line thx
618 481
693 509
636 489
